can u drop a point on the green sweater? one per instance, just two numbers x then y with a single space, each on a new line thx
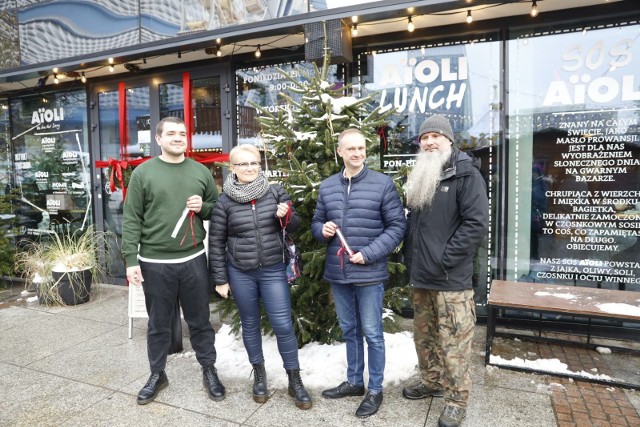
156 196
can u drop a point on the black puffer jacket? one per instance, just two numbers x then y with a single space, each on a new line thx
247 235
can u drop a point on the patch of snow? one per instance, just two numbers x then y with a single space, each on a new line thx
557 295
620 308
603 350
545 365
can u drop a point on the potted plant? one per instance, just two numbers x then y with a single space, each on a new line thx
62 267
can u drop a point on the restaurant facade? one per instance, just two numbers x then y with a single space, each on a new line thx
550 104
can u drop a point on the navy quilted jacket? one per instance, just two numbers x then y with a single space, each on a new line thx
370 215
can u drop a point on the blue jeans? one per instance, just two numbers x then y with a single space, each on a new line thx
270 284
359 310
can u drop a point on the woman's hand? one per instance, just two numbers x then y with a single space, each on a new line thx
224 290
283 208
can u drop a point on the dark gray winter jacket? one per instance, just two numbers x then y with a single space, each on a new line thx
441 241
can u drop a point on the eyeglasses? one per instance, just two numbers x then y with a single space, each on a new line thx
246 165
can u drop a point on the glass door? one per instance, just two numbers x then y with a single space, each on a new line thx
146 101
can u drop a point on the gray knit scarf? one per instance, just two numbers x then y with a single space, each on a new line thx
243 193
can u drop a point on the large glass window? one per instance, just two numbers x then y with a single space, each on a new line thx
574 156
51 160
264 86
206 130
460 81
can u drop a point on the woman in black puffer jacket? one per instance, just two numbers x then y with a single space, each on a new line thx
246 257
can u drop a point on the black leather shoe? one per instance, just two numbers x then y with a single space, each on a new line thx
369 405
420 391
212 383
157 381
343 390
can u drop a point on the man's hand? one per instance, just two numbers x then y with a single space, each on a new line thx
194 203
223 290
134 275
357 258
329 229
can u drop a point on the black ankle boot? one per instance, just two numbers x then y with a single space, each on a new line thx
297 390
259 383
212 383
157 381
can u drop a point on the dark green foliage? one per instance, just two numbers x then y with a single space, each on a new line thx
302 138
7 230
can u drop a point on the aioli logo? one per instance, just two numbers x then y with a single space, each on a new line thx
594 74
43 115
68 155
58 185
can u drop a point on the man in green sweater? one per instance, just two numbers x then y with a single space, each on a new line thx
168 198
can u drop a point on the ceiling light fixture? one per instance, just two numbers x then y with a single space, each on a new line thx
411 26
258 53
55 79
111 68
469 17
110 60
218 51
354 30
83 78
42 81
534 9
354 19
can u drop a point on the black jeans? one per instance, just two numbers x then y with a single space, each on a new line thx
187 282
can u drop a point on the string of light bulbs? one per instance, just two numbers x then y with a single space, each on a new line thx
411 27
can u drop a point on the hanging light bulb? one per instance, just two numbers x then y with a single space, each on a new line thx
83 78
219 52
410 26
354 30
469 17
257 53
55 79
111 68
534 9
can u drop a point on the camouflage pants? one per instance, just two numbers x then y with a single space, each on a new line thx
443 325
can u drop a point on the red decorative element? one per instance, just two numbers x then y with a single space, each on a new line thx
287 218
380 132
122 114
191 214
188 109
118 165
341 252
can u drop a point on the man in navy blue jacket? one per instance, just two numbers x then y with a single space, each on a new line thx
363 207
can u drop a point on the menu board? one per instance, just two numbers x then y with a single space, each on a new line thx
593 202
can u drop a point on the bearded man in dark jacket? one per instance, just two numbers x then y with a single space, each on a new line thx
363 207
449 217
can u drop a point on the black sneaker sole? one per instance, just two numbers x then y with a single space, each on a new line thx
422 396
152 398
358 394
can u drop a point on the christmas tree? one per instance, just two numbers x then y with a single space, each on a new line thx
301 138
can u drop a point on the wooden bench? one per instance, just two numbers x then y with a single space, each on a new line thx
558 299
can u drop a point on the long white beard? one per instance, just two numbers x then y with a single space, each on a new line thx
424 178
